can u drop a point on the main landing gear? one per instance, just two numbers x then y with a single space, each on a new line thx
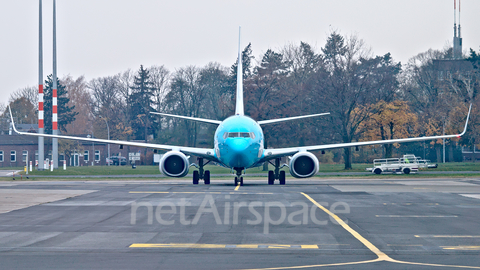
201 174
277 174
238 178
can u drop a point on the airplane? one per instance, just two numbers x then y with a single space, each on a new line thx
239 145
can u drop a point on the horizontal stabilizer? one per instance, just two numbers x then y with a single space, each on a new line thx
273 121
209 121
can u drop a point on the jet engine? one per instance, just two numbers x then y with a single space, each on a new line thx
303 165
174 164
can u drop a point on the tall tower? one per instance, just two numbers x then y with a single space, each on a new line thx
54 93
457 35
40 90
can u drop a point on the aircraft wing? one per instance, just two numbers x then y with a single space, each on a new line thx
281 152
201 152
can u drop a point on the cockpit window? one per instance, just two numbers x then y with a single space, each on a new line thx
239 135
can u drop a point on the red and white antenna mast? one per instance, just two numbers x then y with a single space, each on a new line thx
459 31
454 18
54 92
457 39
40 90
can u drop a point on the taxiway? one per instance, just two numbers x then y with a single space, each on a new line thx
306 224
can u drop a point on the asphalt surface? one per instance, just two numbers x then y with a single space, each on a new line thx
306 224
6 173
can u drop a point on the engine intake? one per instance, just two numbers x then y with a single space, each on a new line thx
174 164
303 165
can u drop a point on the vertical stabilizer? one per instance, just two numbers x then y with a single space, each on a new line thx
239 99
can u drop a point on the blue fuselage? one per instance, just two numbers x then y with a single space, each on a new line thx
239 142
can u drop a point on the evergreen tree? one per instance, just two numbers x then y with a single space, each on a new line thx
66 113
140 102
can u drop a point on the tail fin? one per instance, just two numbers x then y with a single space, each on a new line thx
239 100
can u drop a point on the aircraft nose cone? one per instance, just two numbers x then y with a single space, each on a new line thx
238 145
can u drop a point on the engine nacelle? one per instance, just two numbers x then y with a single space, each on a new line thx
303 165
174 164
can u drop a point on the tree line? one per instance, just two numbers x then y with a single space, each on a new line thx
369 97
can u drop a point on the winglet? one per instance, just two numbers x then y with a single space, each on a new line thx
466 123
11 117
239 100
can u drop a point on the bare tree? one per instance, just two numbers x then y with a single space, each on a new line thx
350 83
81 99
301 61
214 82
434 89
23 111
186 98
29 92
125 82
108 103
160 77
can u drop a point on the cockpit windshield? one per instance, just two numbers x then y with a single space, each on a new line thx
239 135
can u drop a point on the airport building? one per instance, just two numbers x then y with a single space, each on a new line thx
15 150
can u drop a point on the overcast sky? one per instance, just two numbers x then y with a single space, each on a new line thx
105 37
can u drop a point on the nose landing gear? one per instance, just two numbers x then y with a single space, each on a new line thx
238 178
238 181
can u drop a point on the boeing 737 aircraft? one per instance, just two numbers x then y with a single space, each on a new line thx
239 145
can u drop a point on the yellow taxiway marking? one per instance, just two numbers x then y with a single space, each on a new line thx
461 247
237 187
381 255
374 249
213 246
198 192
448 236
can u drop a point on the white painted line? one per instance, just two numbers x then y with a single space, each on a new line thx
11 173
475 196
413 216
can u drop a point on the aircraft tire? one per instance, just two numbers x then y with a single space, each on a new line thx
282 178
196 177
241 181
236 181
206 177
271 178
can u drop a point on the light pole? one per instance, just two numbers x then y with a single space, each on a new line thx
108 137
93 148
444 119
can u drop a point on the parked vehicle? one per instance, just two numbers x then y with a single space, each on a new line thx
117 160
408 164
